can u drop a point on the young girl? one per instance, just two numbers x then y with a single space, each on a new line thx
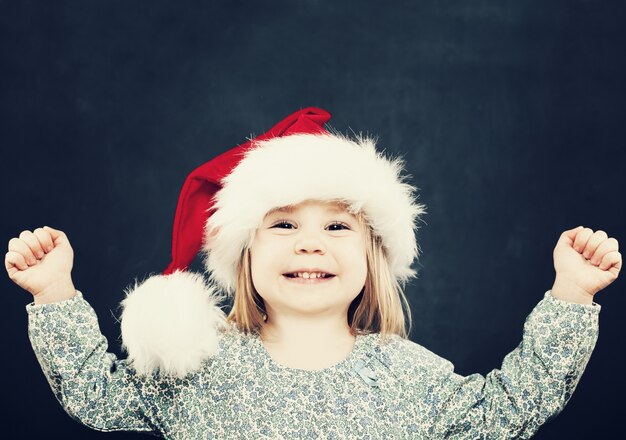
313 235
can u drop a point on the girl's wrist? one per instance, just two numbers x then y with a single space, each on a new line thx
58 291
567 291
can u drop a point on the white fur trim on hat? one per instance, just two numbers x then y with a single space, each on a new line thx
291 169
170 323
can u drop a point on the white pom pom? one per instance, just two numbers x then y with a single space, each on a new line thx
170 323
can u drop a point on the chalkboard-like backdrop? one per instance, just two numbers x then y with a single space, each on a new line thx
510 115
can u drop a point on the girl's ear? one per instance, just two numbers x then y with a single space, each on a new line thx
211 237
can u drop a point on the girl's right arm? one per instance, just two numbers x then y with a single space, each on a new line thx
92 385
533 385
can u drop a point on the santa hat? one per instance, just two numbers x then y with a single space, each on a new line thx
170 321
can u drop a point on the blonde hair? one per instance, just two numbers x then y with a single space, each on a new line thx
377 309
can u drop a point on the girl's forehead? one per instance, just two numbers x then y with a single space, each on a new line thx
333 207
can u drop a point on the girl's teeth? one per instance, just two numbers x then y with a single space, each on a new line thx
312 275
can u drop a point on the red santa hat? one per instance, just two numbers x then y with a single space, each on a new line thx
170 321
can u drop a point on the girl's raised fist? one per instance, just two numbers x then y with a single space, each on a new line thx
39 259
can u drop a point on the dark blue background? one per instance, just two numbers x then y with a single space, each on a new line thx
510 115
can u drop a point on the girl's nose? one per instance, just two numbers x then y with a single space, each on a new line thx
310 249
310 244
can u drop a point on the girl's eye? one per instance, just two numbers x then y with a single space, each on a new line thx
281 223
343 225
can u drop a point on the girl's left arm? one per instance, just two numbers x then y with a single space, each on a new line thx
537 378
93 386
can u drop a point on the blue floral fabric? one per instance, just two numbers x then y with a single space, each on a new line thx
393 390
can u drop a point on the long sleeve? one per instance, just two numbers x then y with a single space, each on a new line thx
534 384
93 386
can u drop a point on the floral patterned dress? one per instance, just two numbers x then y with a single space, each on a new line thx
397 390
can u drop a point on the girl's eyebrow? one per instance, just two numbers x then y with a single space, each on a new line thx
285 209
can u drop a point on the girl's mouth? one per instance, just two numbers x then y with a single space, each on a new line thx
300 280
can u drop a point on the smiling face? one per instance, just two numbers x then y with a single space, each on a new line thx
312 234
